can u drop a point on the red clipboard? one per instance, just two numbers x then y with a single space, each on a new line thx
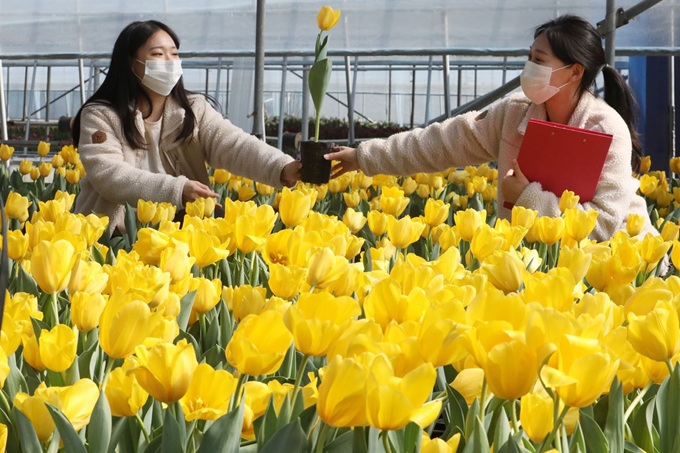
563 157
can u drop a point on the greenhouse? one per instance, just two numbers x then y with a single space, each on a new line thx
488 262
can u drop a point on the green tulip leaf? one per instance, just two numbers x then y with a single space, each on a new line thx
172 439
116 432
509 445
593 435
224 436
292 436
613 430
668 411
27 435
72 442
473 414
455 415
502 431
341 444
478 441
24 283
412 437
641 427
319 76
99 428
186 303
632 448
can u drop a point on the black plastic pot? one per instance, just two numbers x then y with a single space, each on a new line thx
315 169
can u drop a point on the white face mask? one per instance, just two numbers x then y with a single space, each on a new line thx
535 81
161 76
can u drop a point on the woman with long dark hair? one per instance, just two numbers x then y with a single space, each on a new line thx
142 135
564 60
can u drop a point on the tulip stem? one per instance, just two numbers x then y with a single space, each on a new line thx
669 365
140 422
109 366
482 405
636 400
298 380
386 442
513 416
321 440
237 393
55 310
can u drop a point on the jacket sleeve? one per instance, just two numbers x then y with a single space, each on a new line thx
613 195
114 178
472 138
229 147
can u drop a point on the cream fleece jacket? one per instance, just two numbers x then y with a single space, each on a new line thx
112 165
496 135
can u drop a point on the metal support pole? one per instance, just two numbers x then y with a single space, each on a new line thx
24 113
81 75
428 90
304 127
258 123
413 97
671 106
389 93
447 87
217 80
31 98
353 99
459 88
3 111
282 103
350 104
47 93
610 33
207 80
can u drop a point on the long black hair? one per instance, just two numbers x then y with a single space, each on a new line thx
122 91
574 40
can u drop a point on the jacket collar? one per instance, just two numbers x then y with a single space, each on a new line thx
173 117
578 118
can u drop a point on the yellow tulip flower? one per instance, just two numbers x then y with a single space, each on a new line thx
58 347
17 245
511 369
33 407
146 210
393 201
583 371
286 281
124 324
504 269
576 260
554 289
437 445
626 262
87 276
579 224
25 167
316 321
485 241
177 263
522 216
327 18
635 224
6 152
164 211
209 394
468 222
657 334
652 250
259 344
469 384
536 415
43 149
245 300
294 206
57 161
124 394
201 208
439 339
648 184
150 243
568 200
165 369
86 309
354 220
16 207
404 232
387 303
342 394
670 231
548 230
357 337
76 401
392 402
206 248
251 232
208 293
436 212
377 222
51 264
352 199
324 267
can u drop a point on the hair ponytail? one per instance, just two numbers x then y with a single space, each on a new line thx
619 97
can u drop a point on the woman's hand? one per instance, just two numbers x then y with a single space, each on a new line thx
347 157
291 173
194 190
514 183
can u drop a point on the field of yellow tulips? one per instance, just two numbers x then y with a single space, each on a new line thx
369 315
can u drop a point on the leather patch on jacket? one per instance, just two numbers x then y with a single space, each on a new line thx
99 137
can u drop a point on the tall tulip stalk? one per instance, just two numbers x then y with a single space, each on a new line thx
320 73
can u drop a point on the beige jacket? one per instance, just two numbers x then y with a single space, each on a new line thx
113 174
496 135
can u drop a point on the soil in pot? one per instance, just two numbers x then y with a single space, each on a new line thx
315 169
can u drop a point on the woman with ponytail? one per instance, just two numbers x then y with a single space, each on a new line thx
564 60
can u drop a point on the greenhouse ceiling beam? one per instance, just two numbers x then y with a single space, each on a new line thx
623 16
470 52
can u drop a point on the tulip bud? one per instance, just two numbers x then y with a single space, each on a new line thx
43 149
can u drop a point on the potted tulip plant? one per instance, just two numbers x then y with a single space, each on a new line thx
316 169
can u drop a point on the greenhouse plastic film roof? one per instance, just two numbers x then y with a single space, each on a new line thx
35 27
